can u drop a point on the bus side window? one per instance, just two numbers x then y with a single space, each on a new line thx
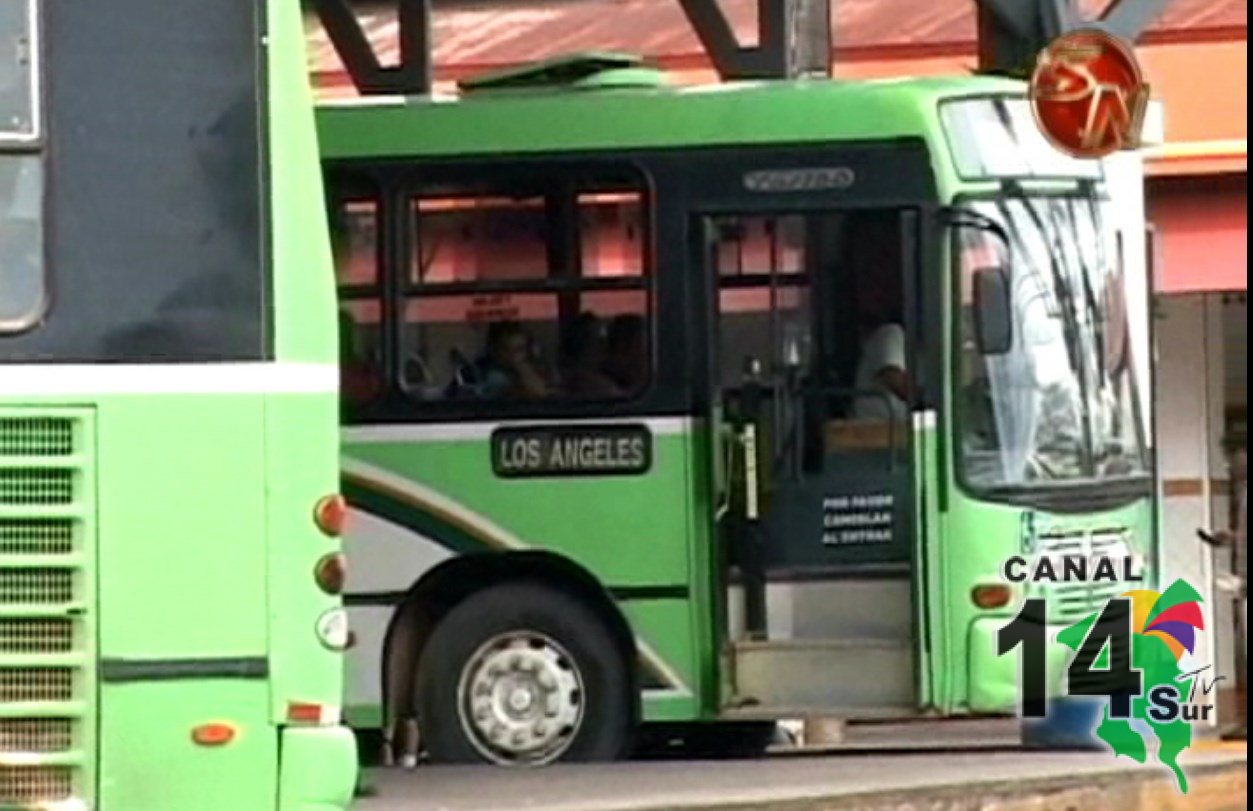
22 284
18 110
354 245
764 291
529 293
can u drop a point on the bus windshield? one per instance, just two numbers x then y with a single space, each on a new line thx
1063 403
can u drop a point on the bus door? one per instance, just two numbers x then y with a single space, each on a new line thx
812 386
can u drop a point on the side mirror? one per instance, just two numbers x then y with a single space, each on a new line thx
994 321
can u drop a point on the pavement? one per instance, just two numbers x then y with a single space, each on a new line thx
931 772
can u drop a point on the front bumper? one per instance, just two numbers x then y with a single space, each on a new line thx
317 768
994 681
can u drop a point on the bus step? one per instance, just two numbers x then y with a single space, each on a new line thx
863 677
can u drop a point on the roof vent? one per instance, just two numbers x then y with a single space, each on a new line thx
584 71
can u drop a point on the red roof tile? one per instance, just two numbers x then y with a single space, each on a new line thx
503 33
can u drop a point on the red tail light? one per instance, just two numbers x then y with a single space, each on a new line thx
331 572
301 712
330 514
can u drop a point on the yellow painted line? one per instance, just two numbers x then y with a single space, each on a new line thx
1218 148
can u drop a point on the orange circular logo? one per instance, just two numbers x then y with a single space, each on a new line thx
1088 95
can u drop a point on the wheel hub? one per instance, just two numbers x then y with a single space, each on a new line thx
520 698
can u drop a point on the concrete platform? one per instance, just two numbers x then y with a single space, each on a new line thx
969 779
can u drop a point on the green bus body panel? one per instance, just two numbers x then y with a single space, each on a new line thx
637 538
628 544
175 535
737 113
201 508
148 760
298 462
978 538
304 325
318 768
706 597
666 626
302 455
927 578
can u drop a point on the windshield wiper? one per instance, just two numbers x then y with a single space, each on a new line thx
1091 304
1091 327
1098 228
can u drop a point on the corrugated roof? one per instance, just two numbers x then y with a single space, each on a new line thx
504 33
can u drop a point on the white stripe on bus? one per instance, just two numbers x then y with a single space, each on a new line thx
418 496
102 379
465 431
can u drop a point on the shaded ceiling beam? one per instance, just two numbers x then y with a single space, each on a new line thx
1129 18
793 39
410 77
1013 32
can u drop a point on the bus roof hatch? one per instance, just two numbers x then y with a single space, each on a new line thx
581 71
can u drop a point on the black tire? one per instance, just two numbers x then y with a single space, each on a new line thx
607 698
369 747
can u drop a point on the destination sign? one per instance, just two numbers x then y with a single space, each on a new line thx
572 450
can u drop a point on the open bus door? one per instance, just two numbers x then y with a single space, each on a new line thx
812 360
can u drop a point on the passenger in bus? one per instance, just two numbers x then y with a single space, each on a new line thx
583 356
508 369
626 361
881 369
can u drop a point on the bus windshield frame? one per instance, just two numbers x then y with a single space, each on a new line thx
1061 409
995 137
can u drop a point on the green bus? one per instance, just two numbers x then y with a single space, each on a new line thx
713 406
170 632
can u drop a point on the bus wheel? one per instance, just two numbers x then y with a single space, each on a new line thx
522 674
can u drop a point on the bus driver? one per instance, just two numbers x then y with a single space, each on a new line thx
881 379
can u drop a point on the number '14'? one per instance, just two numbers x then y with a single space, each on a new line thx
1112 630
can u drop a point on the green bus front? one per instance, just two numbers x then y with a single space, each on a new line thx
686 441
167 415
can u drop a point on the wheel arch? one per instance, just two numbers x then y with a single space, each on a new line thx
446 585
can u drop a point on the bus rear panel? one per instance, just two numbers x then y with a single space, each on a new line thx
167 426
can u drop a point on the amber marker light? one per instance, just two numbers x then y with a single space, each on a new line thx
991 595
331 572
216 733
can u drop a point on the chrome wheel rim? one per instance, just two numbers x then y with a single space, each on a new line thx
520 699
